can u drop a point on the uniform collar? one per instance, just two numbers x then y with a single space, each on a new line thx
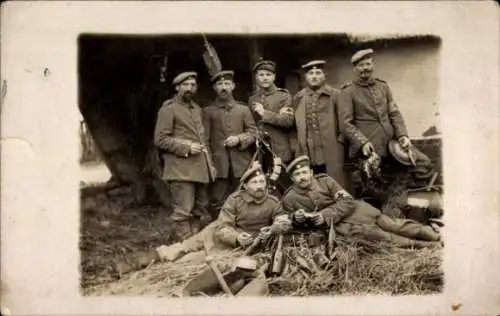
179 99
321 90
227 104
250 199
363 83
272 89
312 187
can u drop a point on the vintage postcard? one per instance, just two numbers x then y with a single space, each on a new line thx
250 158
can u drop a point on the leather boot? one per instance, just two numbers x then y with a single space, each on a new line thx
429 234
182 230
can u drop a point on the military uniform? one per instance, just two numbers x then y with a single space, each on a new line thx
318 132
278 118
352 217
368 113
224 118
240 213
179 124
243 213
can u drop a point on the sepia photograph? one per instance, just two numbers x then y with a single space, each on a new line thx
249 158
263 165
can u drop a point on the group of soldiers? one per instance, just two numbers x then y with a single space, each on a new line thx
208 156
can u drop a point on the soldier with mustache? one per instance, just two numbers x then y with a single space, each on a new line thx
180 136
370 119
320 201
317 125
230 131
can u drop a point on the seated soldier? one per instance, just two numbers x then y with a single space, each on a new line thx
324 202
242 216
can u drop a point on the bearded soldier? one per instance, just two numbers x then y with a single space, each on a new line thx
374 126
239 224
180 136
230 131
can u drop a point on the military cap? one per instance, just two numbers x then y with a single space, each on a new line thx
184 76
299 162
265 65
253 171
361 54
318 64
224 74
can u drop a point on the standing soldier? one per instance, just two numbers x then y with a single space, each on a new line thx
372 122
230 131
273 111
180 136
316 119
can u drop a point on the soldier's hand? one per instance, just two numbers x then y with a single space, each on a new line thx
259 108
300 216
368 149
405 142
195 148
286 110
231 141
264 234
281 226
318 219
244 239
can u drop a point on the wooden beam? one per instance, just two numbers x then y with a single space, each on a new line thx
255 55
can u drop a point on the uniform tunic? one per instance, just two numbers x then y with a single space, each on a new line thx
277 124
178 125
229 118
369 114
352 217
244 213
324 195
318 133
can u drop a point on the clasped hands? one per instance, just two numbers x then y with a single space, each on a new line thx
246 239
279 226
316 218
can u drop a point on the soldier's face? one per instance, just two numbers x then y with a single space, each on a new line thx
264 78
302 177
224 88
256 186
315 77
187 89
364 68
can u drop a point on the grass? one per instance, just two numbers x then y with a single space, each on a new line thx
114 225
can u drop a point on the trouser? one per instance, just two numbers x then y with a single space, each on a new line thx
404 233
192 248
394 180
190 203
219 192
407 228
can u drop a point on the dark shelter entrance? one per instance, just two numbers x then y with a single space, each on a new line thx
123 81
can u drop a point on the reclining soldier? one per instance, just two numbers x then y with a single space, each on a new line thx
239 224
322 201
